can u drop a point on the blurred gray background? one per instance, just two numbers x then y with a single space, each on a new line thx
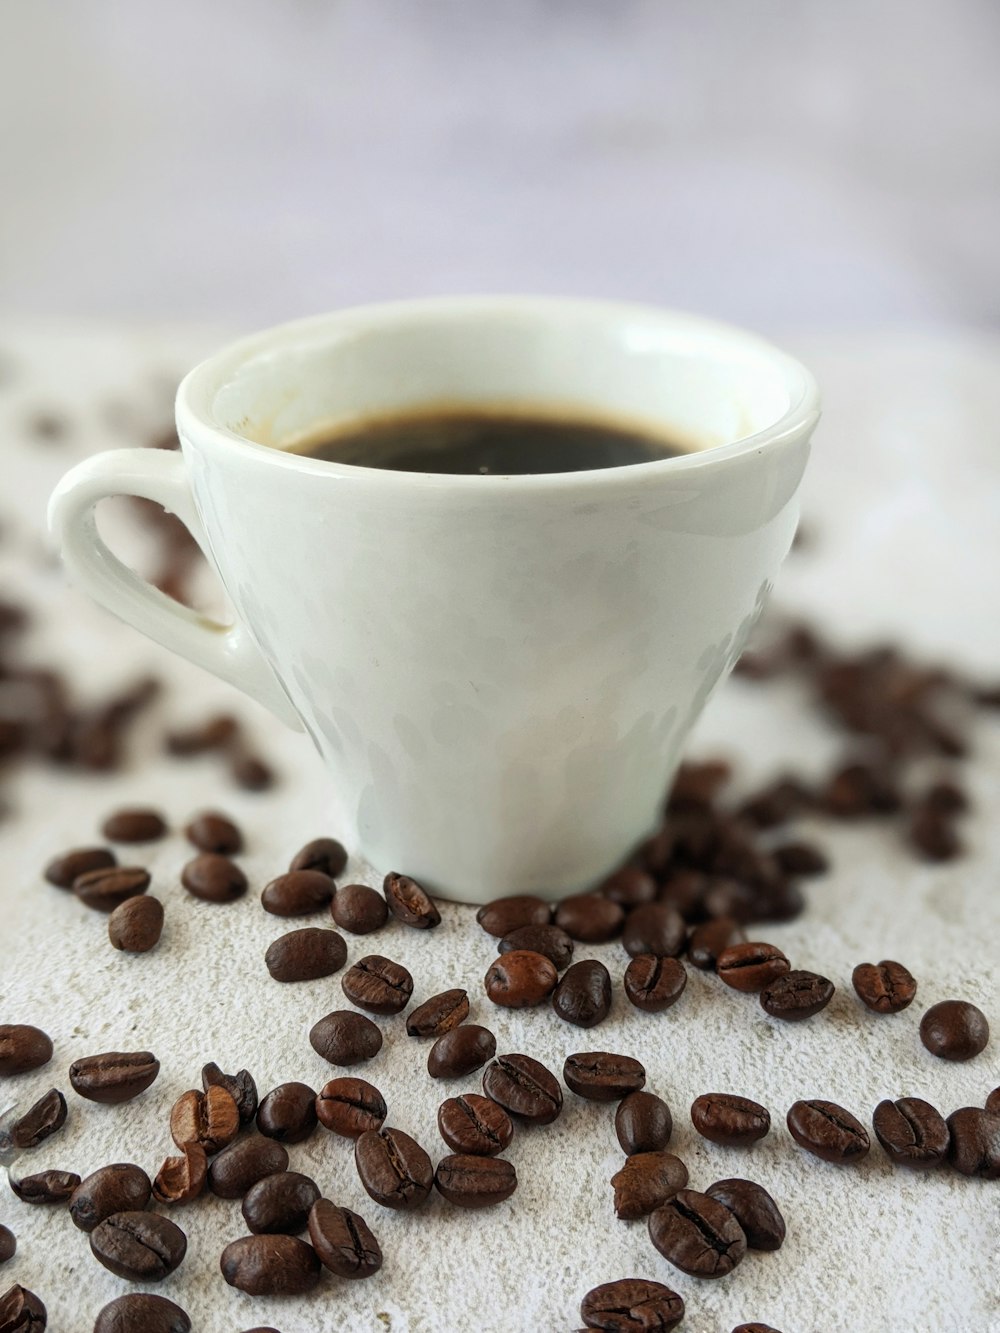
784 163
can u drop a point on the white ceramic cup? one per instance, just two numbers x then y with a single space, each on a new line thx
499 671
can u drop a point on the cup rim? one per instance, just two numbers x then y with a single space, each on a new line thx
195 394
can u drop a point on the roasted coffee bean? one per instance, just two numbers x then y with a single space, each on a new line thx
523 1087
288 1113
474 1125
885 987
63 870
409 903
475 1182
306 954
861 789
520 979
181 1179
345 1038
602 1076
698 1235
755 1328
754 1209
250 772
461 1051
708 940
213 734
685 891
801 858
653 984
438 1015
359 909
393 1168
114 1077
350 1106
654 928
142 1312
629 887
632 1305
932 833
796 996
136 824
647 1180
503 915
104 890
21 1311
589 918
954 1030
135 926
324 854
735 1122
141 1247
23 1048
993 1102
243 1163
974 1147
912 1132
121 1187
210 1118
240 1086
827 1131
776 804
212 832
298 893
270 1265
8 1244
643 1123
378 985
44 1186
40 1121
583 994
549 940
343 1241
280 1203
215 879
751 966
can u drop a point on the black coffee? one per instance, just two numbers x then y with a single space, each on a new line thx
488 444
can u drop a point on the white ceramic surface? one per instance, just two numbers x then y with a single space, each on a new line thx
499 672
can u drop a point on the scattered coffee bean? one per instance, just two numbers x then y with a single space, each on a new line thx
393 1168
210 1118
520 979
181 1179
654 928
8 1244
755 1328
708 940
474 1125
135 926
104 890
993 1102
523 1087
653 984
142 1312
63 870
212 832
912 1132
735 1122
549 940
629 887
503 915
751 966
343 1241
954 1030
409 903
136 824
685 891
250 772
141 1247
438 1015
21 1311
345 1038
378 985
631 1305
601 1076
583 994
647 1180
974 1147
801 858
270 1265
698 1235
885 988
643 1123
475 1182
121 1187
932 834
288 1113
776 804
754 1209
44 1186
359 909
461 1051
589 918
324 854
280 1203
114 1077
243 1163
827 1131
40 1121
298 893
240 1086
306 954
215 879
214 734
350 1106
796 996
858 789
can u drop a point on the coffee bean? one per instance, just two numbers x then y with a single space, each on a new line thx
210 1118
860 789
243 1163
63 870
993 1102
141 1247
378 985
343 1241
393 1168
801 858
796 996
475 1182
589 918
735 1122
114 1077
270 1265
583 994
240 1086
912 1132
653 984
755 1328
181 1179
751 966
698 1235
142 1312
520 979
350 1106
44 1186
280 1203
643 1123
21 1311
213 734
523 1087
214 878
212 832
40 1121
135 926
503 915
8 1244
104 890
602 1076
359 909
654 928
885 987
629 887
647 1180
932 834
461 1051
954 1030
250 772
551 941
438 1015
298 893
776 804
474 1125
306 954
827 1131
974 1147
409 903
135 824
754 1209
288 1113
345 1038
121 1187
632 1305
708 940
324 854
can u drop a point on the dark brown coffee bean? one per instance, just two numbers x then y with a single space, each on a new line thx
858 790
801 858
280 1203
754 1209
40 1121
409 903
104 890
210 1118
708 940
345 1038
243 1163
551 941
796 996
359 909
324 854
974 1147
288 1113
932 833
114 1077
214 734
776 804
393 1168
885 987
212 832
270 1265
44 1186
653 984
8 1244
474 1125
643 1123
993 1102
461 1051
755 1328
751 966
214 878
378 985
698 1235
523 1087
583 994
654 928
520 979
602 1076
827 1131
121 1187
306 954
912 1133
954 1030
135 926
629 887
298 893
64 869
21 1311
250 772
590 918
135 824
632 1305
503 915
240 1086
23 1048
647 1180
475 1182
141 1247
438 1015
735 1122
350 1106
181 1179
343 1241
142 1312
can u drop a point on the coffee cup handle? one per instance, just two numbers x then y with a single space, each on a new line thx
161 476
